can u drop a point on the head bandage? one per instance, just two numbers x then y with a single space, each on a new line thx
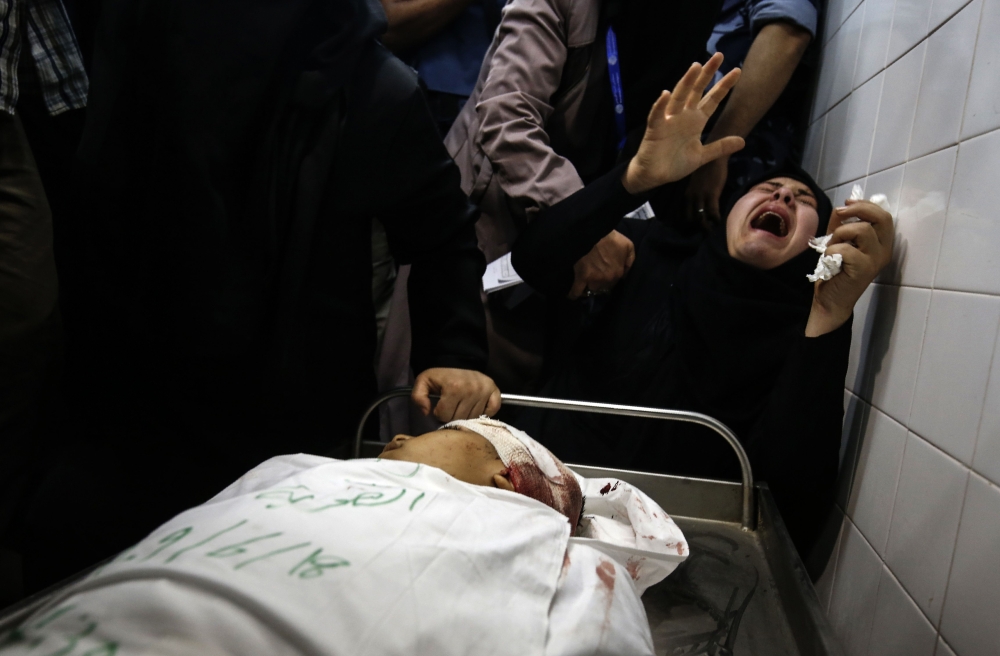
534 471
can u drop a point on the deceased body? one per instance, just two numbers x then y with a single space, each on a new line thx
406 554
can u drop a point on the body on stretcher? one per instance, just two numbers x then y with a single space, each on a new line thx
735 592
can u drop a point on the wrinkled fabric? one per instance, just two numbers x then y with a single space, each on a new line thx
313 556
623 522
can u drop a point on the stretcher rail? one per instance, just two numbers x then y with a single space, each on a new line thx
747 521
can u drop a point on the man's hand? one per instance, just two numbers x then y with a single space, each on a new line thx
671 147
465 394
866 247
606 263
704 191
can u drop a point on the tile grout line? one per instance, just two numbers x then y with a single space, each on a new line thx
972 64
878 586
878 111
920 352
989 378
954 548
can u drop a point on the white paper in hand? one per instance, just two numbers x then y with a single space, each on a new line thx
643 213
500 274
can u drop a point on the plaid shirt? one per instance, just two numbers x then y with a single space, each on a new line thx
53 47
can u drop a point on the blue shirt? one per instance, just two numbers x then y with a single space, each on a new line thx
450 61
740 20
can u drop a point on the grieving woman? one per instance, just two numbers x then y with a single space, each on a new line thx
457 541
725 324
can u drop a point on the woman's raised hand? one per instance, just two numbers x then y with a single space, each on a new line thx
671 147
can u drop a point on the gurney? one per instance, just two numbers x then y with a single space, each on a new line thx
743 589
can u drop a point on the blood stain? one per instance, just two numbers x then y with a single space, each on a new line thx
632 566
606 572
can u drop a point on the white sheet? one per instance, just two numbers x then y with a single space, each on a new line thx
307 555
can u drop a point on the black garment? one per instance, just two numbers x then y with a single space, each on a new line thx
234 156
657 43
692 328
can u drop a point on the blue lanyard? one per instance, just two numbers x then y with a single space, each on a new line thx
615 73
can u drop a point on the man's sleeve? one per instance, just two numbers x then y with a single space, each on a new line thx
515 104
430 225
799 12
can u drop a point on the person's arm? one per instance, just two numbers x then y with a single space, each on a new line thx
413 22
547 250
773 57
546 253
795 446
515 102
430 226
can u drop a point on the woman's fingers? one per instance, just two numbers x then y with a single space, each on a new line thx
717 93
704 78
683 89
657 115
878 218
721 148
859 266
861 234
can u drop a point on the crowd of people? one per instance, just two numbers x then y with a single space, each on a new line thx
205 207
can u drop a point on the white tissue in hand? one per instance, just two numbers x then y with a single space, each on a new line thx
828 265
881 200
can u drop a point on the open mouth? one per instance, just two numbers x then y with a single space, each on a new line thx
771 222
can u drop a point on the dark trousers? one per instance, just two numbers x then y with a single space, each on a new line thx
30 333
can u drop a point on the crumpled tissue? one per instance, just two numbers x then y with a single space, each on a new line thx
830 265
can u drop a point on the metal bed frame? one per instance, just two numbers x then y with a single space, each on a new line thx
603 409
743 591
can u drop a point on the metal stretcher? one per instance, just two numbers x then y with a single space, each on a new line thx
743 591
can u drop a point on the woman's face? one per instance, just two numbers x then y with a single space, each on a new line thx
772 223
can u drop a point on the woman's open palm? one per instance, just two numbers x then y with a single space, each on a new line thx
671 147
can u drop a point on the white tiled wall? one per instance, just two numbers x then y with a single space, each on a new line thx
908 104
